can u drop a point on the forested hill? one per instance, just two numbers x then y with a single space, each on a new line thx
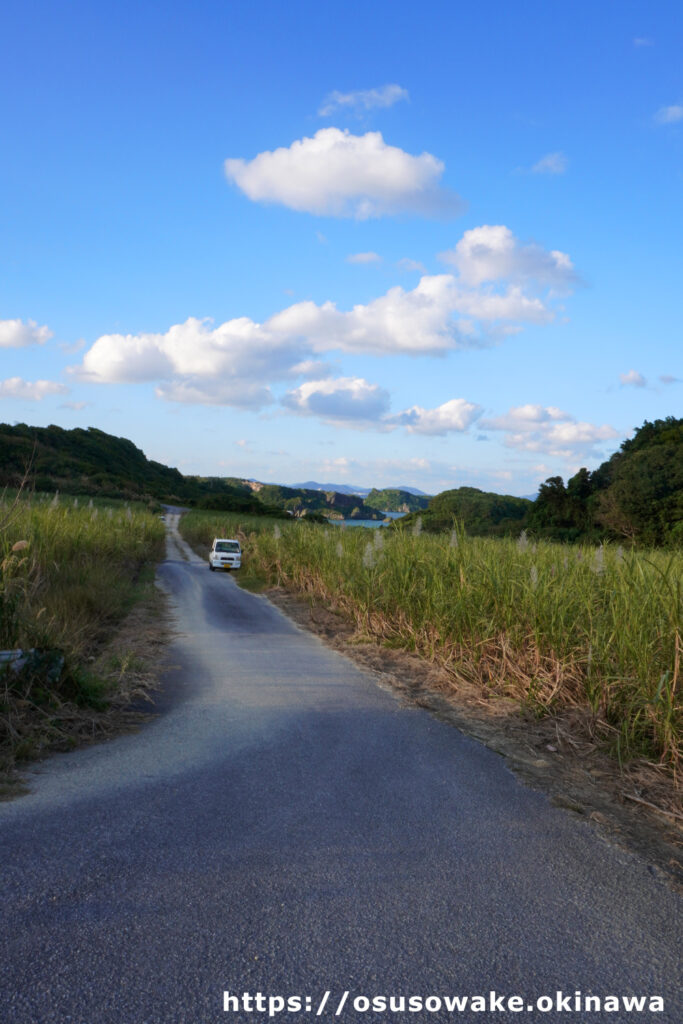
93 462
481 513
393 499
636 496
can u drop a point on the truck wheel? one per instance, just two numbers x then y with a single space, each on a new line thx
212 567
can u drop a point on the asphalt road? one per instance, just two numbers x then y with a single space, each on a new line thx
286 827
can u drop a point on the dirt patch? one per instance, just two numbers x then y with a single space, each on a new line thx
130 664
636 806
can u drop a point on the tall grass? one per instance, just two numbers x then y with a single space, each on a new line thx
70 570
552 625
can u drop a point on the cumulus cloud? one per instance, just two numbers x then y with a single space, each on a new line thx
237 362
353 401
551 163
32 391
338 174
241 394
547 429
670 115
633 379
346 399
455 415
226 365
363 99
492 252
415 322
234 363
363 257
17 334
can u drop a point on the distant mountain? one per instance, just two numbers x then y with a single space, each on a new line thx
313 485
412 490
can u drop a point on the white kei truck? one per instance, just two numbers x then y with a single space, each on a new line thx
225 553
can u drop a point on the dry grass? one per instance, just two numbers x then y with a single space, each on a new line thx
70 575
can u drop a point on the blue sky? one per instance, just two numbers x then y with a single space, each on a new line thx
361 243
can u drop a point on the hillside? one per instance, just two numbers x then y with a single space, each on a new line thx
96 463
392 499
93 462
301 501
482 513
636 495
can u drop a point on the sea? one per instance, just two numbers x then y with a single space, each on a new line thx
370 523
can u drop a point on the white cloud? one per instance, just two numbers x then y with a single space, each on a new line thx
513 304
32 391
71 347
339 174
364 257
237 362
643 41
240 394
455 415
526 417
399 322
353 401
346 399
491 252
75 406
670 115
411 265
362 99
666 378
231 364
17 334
633 379
551 163
535 428
312 369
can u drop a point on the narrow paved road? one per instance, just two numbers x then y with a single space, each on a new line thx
285 827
